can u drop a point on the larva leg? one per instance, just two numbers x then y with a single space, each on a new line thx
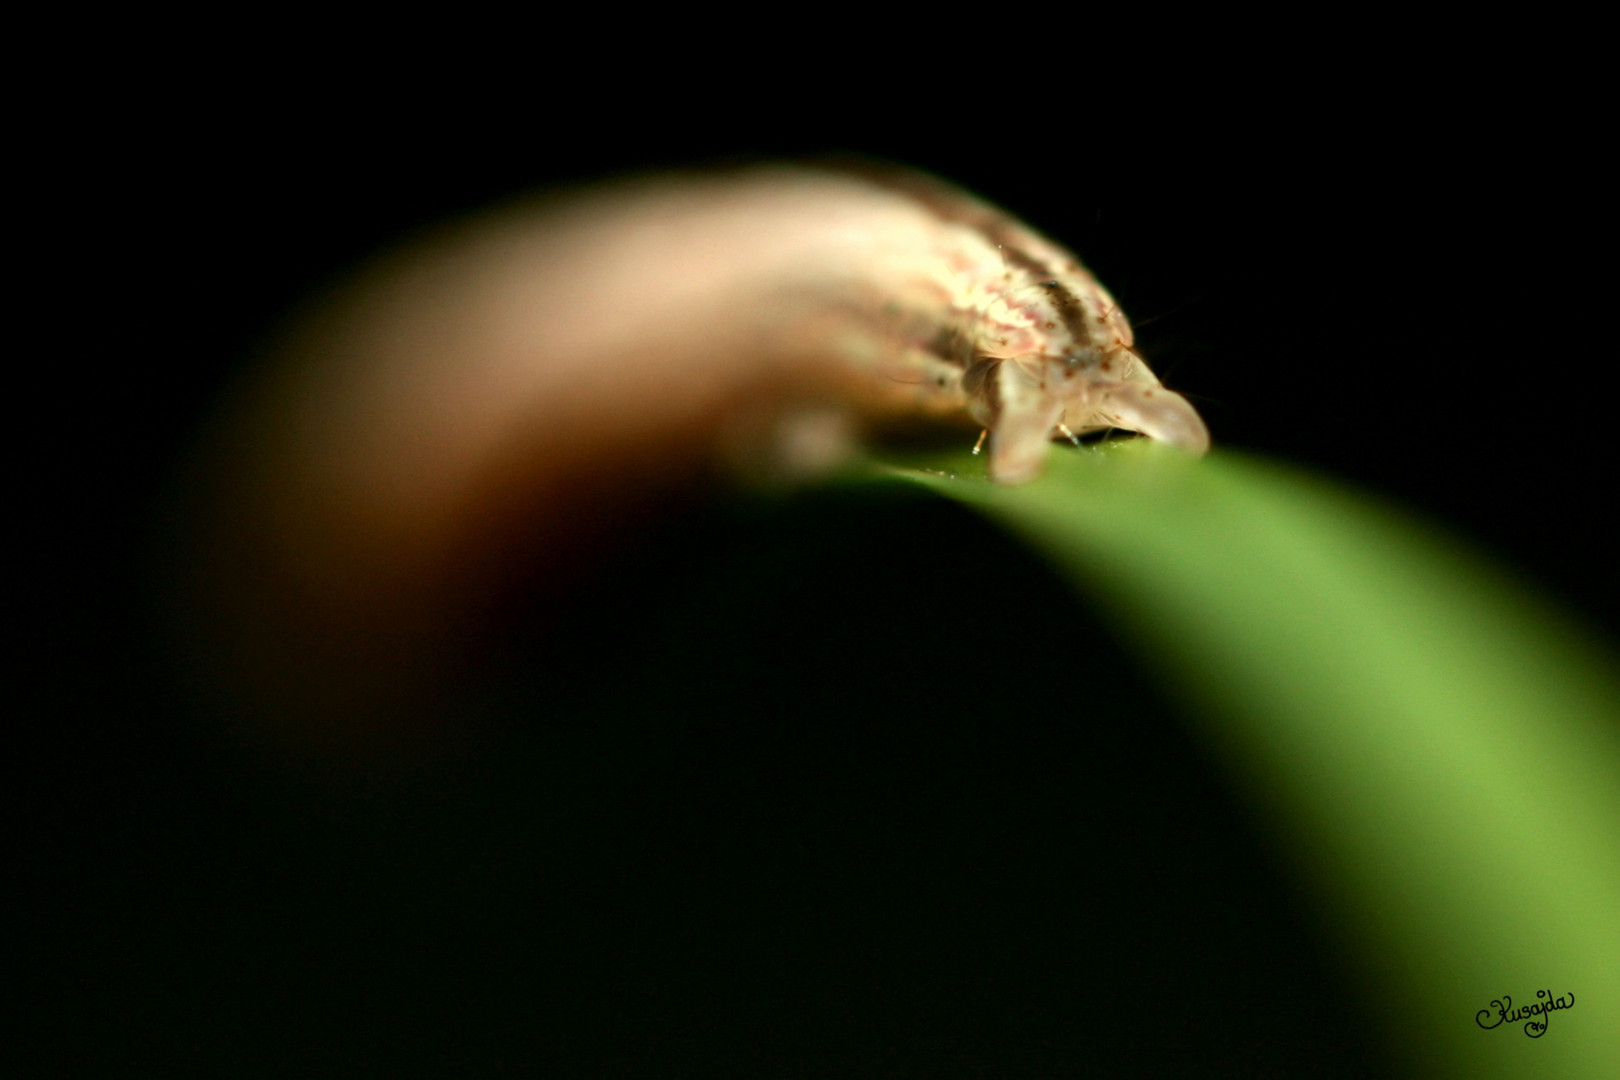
1019 438
1157 413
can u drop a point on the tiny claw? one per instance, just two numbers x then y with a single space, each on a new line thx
1018 443
1159 414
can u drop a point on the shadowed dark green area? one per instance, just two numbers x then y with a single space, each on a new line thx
849 782
1437 750
844 783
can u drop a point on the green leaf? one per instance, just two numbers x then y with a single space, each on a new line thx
1438 751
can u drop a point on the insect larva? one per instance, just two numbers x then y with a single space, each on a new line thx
513 387
1005 323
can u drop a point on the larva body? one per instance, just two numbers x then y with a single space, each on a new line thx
514 387
979 312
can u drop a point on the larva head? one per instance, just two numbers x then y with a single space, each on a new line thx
1103 382
1057 357
1114 388
1027 402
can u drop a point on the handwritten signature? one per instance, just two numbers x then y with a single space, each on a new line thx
1534 1015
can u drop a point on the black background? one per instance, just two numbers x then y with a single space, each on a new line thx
804 790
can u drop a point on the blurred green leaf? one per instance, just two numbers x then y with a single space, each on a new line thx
1437 749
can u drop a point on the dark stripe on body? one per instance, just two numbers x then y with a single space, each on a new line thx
953 344
952 206
1070 310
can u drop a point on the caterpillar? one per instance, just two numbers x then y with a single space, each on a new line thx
997 320
515 388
